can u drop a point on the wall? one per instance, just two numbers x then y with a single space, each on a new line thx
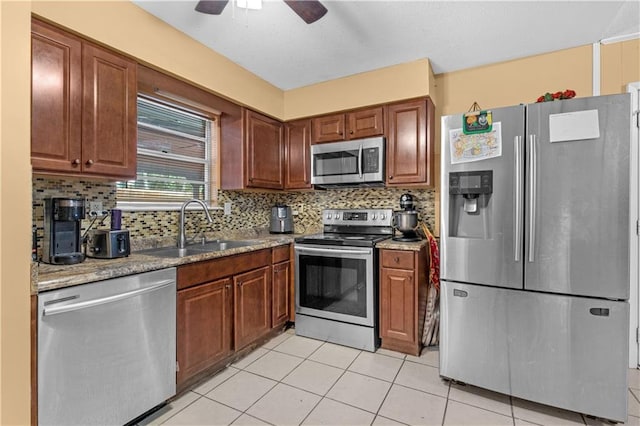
620 65
404 81
15 214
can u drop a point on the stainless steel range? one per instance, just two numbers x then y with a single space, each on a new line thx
337 279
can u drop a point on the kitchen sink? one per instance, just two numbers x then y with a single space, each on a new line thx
197 248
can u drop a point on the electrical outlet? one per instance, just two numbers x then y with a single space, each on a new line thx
227 209
95 207
294 212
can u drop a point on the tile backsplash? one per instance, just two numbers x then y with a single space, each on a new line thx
250 210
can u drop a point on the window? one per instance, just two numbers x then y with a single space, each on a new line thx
176 157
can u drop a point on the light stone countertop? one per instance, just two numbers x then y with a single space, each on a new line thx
46 277
49 277
401 245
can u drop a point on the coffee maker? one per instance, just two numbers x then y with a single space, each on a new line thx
62 231
406 220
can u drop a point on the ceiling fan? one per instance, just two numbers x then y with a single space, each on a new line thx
309 10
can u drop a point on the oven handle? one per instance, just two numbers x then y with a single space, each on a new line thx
332 251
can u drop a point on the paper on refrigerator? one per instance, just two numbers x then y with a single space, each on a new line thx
476 147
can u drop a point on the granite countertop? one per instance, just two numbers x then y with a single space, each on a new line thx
49 277
402 245
46 277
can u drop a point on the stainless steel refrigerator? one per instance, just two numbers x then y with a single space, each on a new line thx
535 240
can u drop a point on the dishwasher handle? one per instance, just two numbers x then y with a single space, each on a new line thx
101 301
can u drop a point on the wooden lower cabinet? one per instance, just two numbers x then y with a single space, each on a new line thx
280 293
225 306
204 327
403 299
252 305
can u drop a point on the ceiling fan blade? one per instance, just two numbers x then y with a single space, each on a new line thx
309 10
212 7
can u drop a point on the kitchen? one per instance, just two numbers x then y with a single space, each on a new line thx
570 68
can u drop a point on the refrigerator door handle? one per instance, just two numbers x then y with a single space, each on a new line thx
533 172
517 211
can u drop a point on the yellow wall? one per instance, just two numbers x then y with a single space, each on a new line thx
126 27
620 65
408 80
15 212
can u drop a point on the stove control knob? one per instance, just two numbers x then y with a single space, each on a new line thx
328 215
383 216
336 216
374 216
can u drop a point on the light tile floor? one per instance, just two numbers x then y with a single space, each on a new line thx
293 380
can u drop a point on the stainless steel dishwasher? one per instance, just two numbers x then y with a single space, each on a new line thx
107 350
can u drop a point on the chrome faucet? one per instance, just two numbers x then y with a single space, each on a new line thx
182 238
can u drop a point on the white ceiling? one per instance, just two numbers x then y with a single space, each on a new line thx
356 36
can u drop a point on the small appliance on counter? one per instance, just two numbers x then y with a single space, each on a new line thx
281 220
109 244
62 225
406 220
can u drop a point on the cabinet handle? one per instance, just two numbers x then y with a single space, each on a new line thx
396 259
250 179
89 162
390 177
75 162
340 133
228 286
351 132
240 283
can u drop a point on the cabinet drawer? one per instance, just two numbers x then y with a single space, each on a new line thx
210 270
398 259
280 254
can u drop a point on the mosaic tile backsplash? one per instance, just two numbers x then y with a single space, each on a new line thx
249 210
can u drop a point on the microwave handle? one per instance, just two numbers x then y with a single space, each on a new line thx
360 161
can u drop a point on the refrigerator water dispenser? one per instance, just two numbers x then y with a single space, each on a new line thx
469 198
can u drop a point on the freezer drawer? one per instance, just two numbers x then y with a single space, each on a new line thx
568 352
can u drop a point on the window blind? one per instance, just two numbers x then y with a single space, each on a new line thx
176 156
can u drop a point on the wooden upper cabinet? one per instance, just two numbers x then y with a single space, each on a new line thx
264 148
329 128
410 134
109 125
83 106
351 125
365 123
56 99
297 143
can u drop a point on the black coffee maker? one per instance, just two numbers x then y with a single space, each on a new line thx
62 243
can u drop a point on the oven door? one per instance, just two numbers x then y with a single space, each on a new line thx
335 282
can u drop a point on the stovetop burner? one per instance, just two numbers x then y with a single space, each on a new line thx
352 227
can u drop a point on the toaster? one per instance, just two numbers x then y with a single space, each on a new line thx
106 244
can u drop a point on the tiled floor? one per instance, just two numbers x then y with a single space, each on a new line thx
292 380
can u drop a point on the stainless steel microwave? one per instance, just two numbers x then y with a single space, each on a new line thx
349 163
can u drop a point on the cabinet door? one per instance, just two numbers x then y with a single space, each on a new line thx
297 155
253 305
365 123
410 143
280 293
56 99
204 327
328 128
397 305
109 132
264 152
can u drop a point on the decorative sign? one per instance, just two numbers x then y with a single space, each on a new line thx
481 146
574 126
477 122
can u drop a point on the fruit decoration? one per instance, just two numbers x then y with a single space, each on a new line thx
567 94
